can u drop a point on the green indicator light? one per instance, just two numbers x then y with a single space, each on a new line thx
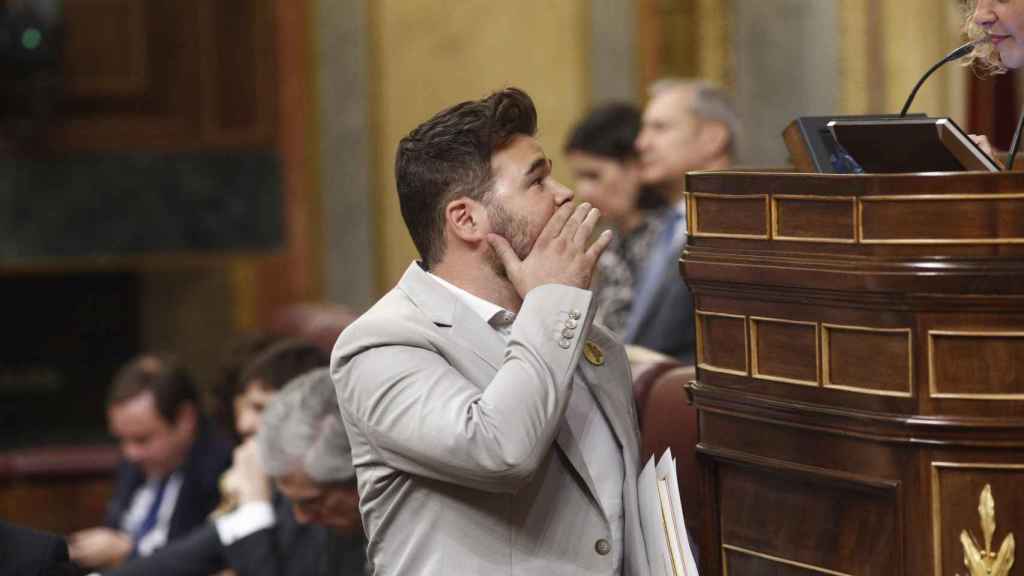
31 38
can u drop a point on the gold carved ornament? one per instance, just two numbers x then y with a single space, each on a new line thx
986 562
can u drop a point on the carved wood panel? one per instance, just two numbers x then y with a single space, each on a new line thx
155 75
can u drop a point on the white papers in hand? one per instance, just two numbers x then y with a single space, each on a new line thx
661 517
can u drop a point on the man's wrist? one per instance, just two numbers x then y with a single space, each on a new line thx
248 518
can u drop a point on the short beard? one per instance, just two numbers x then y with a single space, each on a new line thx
512 228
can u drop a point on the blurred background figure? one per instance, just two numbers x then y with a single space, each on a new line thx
606 169
304 447
172 461
687 125
248 502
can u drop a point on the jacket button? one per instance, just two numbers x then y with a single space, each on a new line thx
602 547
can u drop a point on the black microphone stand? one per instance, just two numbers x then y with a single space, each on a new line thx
1016 143
958 53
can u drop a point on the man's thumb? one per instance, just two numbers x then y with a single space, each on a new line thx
504 250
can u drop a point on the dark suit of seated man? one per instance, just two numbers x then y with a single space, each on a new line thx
167 483
310 526
26 552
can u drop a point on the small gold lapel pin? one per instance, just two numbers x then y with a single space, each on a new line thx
593 353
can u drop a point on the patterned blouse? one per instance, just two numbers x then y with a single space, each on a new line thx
618 270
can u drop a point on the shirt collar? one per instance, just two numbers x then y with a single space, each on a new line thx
491 313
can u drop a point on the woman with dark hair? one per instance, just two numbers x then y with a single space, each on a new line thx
605 166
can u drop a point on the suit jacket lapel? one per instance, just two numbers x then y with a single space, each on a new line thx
612 390
445 309
569 445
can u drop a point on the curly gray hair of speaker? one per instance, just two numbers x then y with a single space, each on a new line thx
710 102
984 57
301 429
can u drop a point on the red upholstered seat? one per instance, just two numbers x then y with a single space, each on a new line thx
668 420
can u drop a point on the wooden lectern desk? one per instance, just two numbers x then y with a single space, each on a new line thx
860 371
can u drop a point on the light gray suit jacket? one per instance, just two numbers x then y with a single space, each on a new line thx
463 462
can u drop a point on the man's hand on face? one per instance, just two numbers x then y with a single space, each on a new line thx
248 481
560 255
99 547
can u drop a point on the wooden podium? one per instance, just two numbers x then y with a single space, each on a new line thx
860 376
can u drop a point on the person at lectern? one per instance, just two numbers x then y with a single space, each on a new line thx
1001 22
490 428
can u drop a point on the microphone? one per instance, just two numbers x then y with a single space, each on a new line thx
954 55
1016 143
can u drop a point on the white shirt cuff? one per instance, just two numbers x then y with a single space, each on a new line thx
246 519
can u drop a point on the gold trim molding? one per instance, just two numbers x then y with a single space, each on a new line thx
932 388
776 559
701 363
933 198
693 216
854 231
756 373
826 368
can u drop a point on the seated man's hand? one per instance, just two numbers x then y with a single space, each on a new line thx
560 255
248 481
99 547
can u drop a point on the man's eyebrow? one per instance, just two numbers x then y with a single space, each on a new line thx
539 163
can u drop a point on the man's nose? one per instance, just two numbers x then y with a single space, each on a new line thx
563 193
132 453
641 141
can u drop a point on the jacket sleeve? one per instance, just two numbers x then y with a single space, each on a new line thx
256 555
422 416
198 553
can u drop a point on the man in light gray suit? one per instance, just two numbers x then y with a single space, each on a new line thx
688 125
492 425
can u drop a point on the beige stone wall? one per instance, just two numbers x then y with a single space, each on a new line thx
429 54
887 46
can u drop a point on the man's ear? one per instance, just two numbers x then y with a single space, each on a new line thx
466 219
714 138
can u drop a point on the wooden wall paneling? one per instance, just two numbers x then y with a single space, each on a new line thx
106 49
167 76
164 114
61 504
782 516
236 72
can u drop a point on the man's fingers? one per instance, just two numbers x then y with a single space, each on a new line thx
504 251
586 229
574 221
556 223
595 250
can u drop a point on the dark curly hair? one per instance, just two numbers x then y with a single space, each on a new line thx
449 157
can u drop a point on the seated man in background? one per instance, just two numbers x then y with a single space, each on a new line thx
167 483
688 125
261 514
